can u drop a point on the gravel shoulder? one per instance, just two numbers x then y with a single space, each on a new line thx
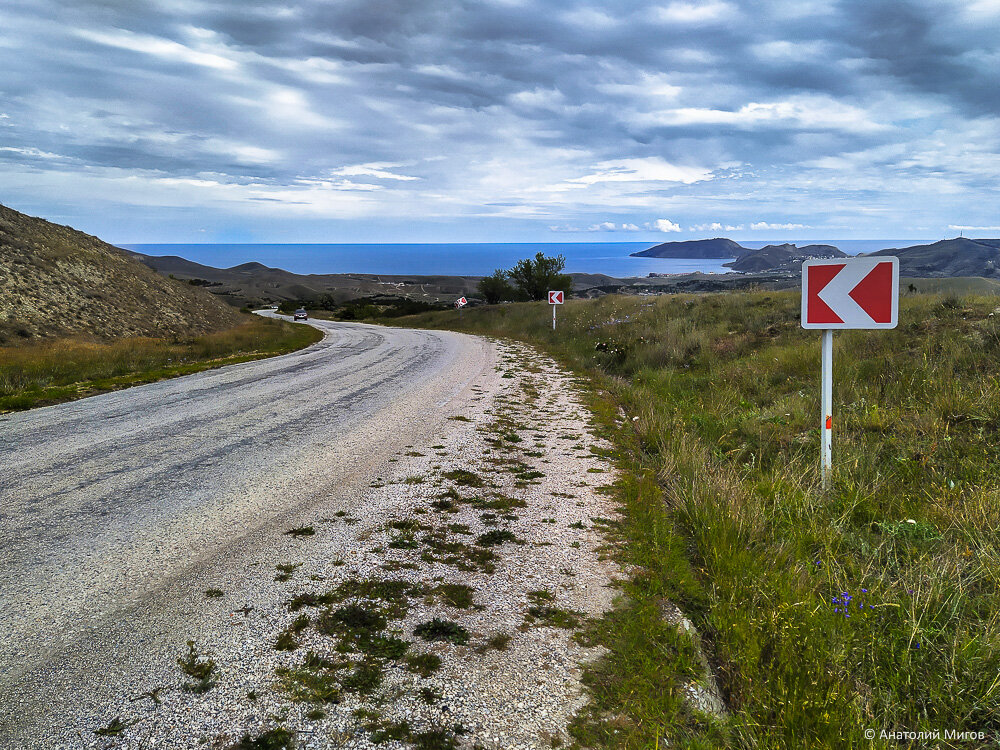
448 546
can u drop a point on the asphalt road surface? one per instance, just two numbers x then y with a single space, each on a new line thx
110 506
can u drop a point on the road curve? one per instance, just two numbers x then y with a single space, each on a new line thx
107 503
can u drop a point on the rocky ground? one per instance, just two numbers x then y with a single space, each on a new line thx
438 612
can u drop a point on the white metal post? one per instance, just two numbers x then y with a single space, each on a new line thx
554 317
826 428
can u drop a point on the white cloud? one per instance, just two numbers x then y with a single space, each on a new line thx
610 226
34 152
809 112
980 10
766 225
664 225
966 228
590 18
693 13
715 226
158 47
651 169
374 169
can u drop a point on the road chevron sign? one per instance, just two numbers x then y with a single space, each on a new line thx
556 298
850 293
461 302
839 294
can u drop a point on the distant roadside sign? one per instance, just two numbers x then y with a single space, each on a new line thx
850 293
556 297
846 293
461 302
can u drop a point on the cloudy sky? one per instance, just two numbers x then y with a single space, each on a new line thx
502 120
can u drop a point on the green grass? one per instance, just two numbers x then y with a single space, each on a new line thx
716 442
49 372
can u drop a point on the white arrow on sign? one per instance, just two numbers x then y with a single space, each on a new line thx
556 297
850 293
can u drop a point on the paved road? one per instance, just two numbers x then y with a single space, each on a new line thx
107 503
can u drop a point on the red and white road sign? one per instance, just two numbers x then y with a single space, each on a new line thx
461 302
556 298
850 293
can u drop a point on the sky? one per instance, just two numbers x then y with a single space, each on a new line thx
502 120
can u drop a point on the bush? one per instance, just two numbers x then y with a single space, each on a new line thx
496 288
534 278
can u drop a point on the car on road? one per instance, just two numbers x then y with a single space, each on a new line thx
301 314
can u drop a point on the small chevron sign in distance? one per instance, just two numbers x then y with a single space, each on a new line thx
850 293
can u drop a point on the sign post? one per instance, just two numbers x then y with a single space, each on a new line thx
842 294
555 298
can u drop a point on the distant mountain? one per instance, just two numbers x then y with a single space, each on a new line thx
959 256
786 257
56 281
256 284
716 248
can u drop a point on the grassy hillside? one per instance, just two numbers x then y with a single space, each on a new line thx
49 371
57 281
826 615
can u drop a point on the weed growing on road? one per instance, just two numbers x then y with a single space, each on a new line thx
457 595
365 679
273 739
309 599
423 664
114 728
430 696
464 478
497 537
438 629
497 642
301 531
200 668
213 593
438 548
316 680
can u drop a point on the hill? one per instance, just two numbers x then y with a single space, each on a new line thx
959 256
719 247
785 257
256 284
58 281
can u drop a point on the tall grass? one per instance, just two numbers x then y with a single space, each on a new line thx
872 606
47 372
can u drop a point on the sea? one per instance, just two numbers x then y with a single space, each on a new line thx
468 259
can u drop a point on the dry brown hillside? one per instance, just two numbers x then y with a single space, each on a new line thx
56 281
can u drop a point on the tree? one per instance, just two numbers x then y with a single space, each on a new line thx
496 288
535 278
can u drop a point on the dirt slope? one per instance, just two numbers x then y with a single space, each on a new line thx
56 281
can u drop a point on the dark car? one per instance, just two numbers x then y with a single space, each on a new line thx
301 314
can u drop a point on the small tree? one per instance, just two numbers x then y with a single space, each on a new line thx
496 288
535 278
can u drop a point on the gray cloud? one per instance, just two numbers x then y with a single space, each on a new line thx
262 115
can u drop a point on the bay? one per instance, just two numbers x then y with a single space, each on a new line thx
464 259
